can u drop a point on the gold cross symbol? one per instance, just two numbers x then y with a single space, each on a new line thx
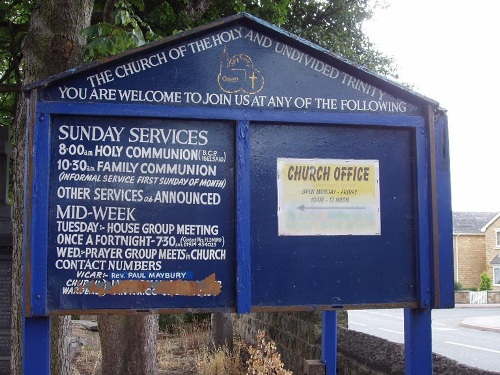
253 77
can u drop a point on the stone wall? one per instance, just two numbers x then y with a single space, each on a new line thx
298 338
493 296
297 334
471 259
462 296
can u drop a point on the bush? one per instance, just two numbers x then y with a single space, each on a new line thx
458 286
264 358
486 282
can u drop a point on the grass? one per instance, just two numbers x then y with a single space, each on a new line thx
88 359
186 351
219 362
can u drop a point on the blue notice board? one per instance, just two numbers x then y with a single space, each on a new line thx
234 167
140 209
351 268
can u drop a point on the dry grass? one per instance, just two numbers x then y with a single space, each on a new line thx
87 360
175 352
186 352
172 358
193 336
221 361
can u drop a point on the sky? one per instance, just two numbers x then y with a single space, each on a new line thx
448 51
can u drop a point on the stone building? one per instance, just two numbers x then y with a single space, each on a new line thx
476 247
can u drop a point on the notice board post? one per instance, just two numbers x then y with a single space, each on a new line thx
329 342
235 167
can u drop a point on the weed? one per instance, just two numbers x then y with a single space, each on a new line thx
265 359
222 361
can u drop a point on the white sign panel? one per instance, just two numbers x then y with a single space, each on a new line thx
328 197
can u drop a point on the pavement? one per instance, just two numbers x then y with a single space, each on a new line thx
483 323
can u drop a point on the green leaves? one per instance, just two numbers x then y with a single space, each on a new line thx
14 19
486 282
337 26
126 32
334 24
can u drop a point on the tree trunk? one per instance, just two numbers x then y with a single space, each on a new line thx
222 330
128 344
53 44
60 340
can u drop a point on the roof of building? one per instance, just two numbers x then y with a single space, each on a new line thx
496 260
472 222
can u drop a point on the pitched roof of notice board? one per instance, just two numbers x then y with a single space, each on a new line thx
253 23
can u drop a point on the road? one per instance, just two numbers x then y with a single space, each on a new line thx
476 348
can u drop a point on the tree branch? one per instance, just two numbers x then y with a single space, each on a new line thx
14 27
10 87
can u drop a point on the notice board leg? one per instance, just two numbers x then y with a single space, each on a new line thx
329 342
418 342
36 348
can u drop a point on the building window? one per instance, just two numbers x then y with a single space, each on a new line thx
497 238
496 275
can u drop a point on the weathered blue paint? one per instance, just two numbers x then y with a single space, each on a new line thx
73 207
443 273
244 302
329 342
35 330
423 198
259 94
230 114
38 236
36 345
418 341
286 118
293 271
219 52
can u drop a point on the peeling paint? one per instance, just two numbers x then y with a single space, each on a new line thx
190 288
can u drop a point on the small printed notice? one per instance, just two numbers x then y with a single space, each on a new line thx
328 197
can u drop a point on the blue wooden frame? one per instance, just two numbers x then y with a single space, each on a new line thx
430 172
40 201
45 111
244 303
418 345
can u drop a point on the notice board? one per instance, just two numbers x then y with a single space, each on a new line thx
337 230
141 207
234 167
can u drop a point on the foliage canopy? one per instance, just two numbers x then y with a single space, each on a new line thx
118 25
335 25
14 19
